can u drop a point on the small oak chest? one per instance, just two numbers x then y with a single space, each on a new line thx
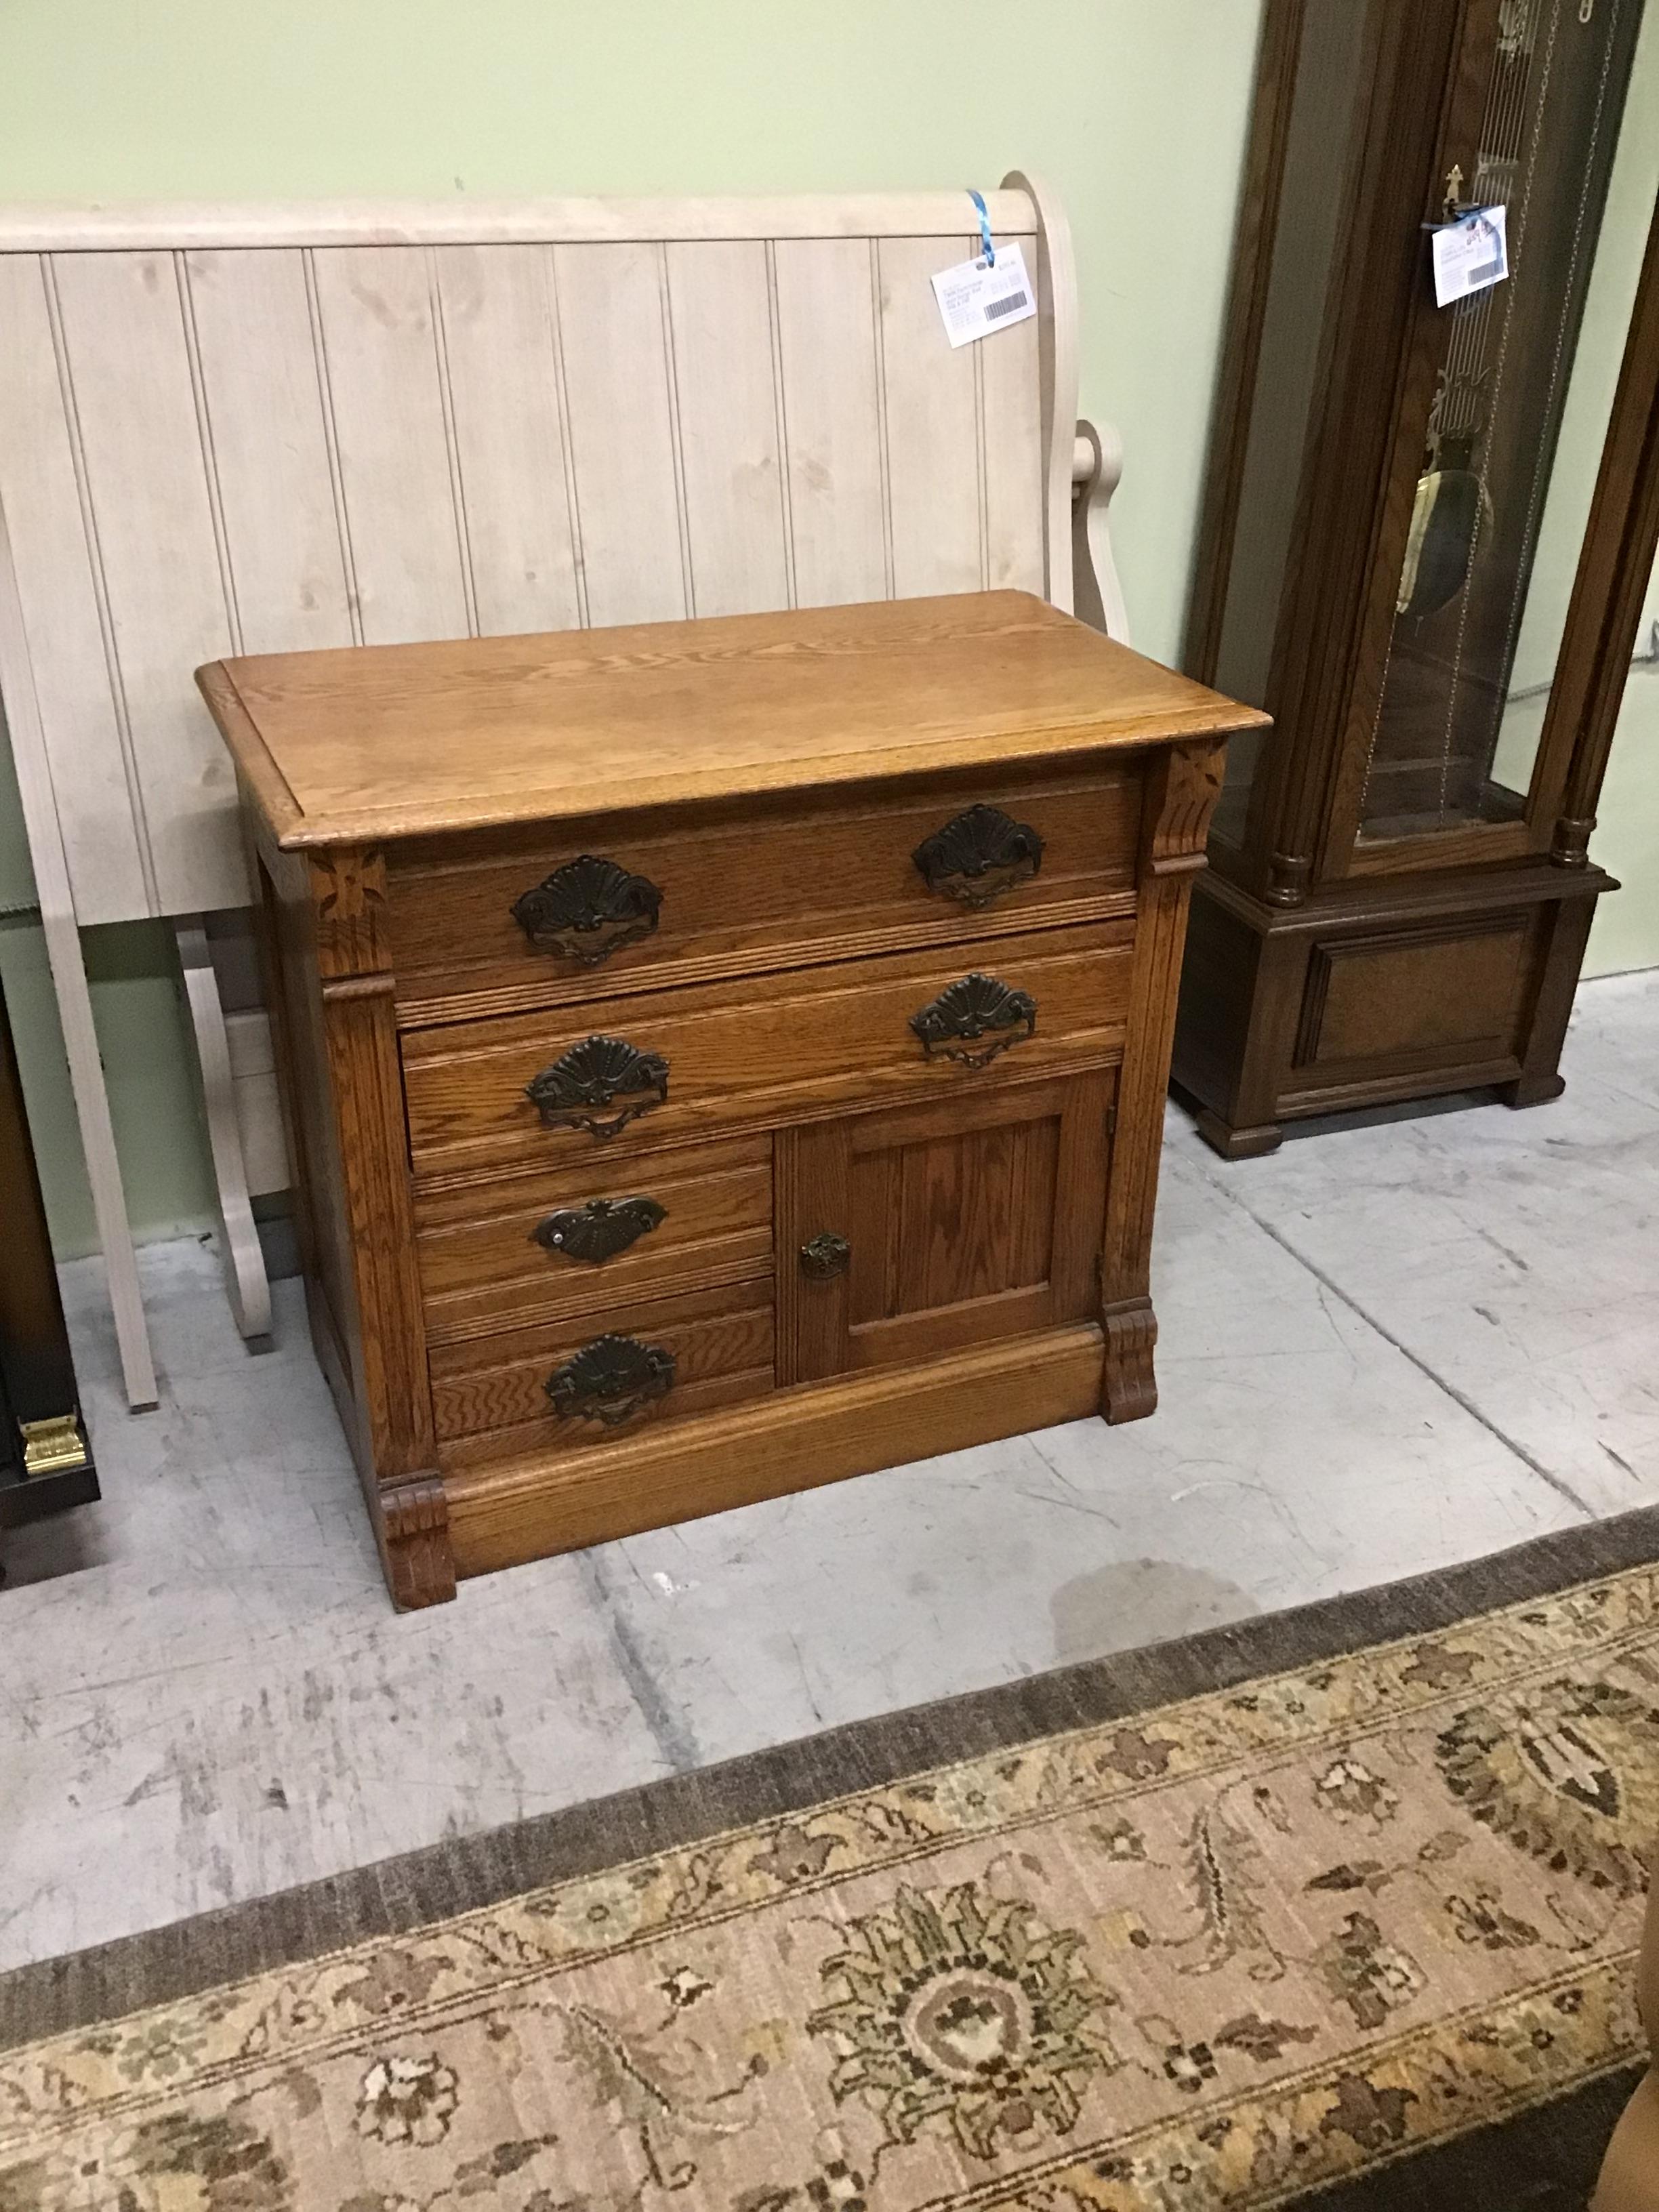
719 1056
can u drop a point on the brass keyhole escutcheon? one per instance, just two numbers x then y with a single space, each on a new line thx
825 1257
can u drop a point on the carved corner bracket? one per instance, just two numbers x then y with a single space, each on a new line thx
348 898
414 1516
1128 1384
1182 794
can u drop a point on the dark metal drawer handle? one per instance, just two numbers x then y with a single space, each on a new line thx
600 1230
979 856
610 1379
588 909
825 1257
977 1008
592 1075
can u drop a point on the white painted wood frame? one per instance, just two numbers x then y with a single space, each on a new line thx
230 430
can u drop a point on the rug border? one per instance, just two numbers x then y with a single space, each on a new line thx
1558 2144
468 1873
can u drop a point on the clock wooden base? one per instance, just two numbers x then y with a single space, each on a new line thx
1380 990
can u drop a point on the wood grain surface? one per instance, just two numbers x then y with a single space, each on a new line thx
751 886
387 742
786 1441
494 1394
968 1220
482 1269
740 1054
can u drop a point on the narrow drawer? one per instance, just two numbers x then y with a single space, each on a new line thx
613 907
755 1052
545 1244
614 1375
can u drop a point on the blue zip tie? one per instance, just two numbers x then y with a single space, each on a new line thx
978 200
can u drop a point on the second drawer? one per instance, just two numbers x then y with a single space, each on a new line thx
499 1251
766 1050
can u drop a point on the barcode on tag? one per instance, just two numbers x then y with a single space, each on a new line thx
981 296
1470 254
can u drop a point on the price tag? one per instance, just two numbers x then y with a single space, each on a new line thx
978 297
1470 254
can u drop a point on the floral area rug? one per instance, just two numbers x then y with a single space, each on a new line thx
1272 1934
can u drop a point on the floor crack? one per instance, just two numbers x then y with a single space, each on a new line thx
667 1723
1545 1474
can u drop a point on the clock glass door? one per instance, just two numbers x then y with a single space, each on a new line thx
1498 498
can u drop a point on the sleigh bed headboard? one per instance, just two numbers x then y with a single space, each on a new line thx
229 429
244 429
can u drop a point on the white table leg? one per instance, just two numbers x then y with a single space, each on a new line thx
246 1281
68 978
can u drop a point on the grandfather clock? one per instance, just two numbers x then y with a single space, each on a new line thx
1427 535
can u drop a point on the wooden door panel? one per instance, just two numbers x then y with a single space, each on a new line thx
966 1221
874 1200
953 1218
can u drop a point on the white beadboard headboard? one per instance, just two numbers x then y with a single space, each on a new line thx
229 429
245 429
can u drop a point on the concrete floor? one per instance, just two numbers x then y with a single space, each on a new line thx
1383 1350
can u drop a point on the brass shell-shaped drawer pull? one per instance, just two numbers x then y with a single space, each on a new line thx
610 1379
575 1092
825 1257
588 909
974 1020
978 856
600 1230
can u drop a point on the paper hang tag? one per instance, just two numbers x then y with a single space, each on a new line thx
1470 254
978 297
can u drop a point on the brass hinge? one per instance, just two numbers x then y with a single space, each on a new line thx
51 1446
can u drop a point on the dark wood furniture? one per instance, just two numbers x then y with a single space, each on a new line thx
1427 536
44 1463
719 1056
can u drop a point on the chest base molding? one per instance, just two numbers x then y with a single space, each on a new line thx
795 1439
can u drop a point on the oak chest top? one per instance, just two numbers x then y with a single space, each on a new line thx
370 743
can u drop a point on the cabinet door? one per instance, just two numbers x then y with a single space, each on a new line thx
923 1229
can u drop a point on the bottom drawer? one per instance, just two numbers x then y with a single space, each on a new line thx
578 1383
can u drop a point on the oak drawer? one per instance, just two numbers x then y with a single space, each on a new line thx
675 1356
732 1054
785 883
547 1244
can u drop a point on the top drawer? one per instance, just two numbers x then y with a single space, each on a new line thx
590 910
